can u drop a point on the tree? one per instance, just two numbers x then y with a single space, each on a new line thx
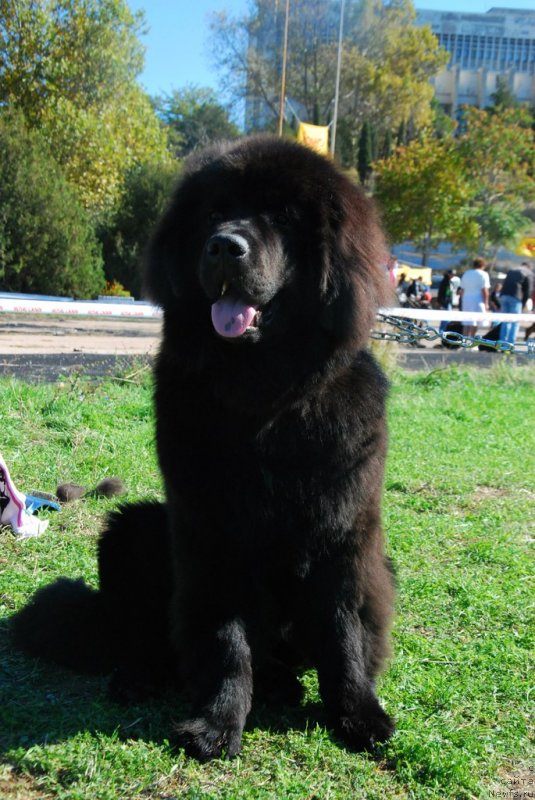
386 64
247 51
71 66
503 97
471 190
498 152
442 126
194 119
365 152
47 243
424 194
386 67
386 150
125 233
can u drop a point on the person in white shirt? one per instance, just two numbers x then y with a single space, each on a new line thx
475 286
455 286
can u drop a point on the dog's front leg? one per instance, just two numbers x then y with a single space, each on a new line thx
353 710
340 643
217 665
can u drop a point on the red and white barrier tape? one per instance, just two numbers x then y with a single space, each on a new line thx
73 308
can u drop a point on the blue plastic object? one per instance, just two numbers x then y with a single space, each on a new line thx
34 504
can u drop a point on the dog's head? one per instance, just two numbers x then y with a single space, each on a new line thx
265 235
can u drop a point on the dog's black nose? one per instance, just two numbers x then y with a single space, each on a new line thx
226 248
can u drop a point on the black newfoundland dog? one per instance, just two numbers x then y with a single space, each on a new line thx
267 555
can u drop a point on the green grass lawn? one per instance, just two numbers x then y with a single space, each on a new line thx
459 507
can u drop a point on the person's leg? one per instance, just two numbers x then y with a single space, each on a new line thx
444 322
509 305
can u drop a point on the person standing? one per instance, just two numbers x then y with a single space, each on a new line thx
392 271
494 302
401 289
475 285
455 287
416 289
445 296
516 291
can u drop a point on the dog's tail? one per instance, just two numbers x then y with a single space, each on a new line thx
65 622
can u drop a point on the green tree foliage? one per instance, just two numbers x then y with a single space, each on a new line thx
424 195
471 190
442 125
498 152
194 118
71 66
47 244
126 232
386 64
386 67
503 97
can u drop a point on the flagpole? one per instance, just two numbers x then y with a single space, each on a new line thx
338 70
284 59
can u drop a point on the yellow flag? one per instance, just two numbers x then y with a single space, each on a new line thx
526 247
314 136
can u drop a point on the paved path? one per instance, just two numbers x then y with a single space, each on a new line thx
48 348
21 333
45 348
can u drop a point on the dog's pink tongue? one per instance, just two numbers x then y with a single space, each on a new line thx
231 316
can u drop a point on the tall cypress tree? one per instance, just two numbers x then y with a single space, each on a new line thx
387 144
365 152
402 133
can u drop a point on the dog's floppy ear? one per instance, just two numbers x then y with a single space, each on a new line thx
354 281
162 274
338 300
168 255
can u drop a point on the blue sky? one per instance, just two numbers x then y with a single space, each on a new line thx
177 42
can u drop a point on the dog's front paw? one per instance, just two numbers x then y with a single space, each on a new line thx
204 739
363 729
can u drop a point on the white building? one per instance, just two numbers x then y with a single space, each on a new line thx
483 47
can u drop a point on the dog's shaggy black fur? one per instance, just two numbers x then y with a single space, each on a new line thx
268 552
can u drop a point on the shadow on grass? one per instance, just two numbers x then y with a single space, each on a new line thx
43 704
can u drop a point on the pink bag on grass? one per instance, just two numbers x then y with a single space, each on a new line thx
13 508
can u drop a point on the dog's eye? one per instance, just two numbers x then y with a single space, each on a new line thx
215 216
